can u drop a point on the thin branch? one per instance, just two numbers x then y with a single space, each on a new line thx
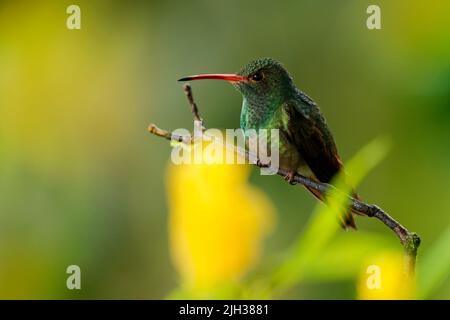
408 239
196 114
153 129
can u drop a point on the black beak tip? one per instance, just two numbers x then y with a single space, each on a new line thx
184 79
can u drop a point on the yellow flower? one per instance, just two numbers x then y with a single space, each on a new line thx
383 277
217 223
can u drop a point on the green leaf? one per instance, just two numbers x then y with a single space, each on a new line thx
434 267
345 256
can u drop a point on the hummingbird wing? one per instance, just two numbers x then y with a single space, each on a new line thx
308 131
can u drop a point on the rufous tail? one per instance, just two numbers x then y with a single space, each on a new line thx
346 219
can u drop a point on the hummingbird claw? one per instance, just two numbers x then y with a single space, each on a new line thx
290 178
261 164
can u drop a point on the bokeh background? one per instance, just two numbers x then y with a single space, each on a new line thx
82 182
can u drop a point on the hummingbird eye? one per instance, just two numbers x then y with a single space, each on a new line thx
258 76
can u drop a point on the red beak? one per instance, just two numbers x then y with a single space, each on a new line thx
217 76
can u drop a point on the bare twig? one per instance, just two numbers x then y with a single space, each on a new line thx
408 239
153 129
196 114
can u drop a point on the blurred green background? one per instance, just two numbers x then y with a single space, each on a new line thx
82 182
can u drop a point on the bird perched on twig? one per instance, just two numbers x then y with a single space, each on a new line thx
272 101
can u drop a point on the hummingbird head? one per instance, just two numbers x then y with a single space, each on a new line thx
263 80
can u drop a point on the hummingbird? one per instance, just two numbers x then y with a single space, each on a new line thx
271 100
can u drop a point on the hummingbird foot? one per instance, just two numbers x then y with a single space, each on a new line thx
262 164
290 178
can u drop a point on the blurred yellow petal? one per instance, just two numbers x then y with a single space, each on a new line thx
383 278
217 223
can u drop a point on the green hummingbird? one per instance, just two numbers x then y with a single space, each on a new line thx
272 101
